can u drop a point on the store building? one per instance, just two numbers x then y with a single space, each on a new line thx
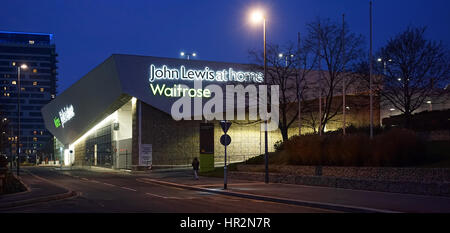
119 115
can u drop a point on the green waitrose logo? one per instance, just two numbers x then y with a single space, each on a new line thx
57 122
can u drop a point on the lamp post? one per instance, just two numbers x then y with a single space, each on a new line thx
384 61
258 16
280 55
370 73
188 55
19 68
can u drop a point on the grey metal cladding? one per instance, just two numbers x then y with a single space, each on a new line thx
92 98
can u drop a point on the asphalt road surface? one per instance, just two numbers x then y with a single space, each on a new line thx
106 192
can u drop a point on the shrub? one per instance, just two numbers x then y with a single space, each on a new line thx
278 146
396 147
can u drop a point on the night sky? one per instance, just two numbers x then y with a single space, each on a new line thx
88 31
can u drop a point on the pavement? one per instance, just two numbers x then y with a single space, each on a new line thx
105 190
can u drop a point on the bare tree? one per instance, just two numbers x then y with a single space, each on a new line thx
287 67
325 39
414 70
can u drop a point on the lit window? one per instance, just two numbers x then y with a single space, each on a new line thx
53 96
42 89
22 88
34 70
34 83
4 88
7 94
42 133
13 83
31 42
35 132
35 139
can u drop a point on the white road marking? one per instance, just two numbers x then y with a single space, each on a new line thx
155 195
134 190
109 184
175 198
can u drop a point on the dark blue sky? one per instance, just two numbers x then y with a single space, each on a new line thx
88 31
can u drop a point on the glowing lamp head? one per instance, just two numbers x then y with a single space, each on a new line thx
194 54
24 67
379 59
257 16
280 55
182 53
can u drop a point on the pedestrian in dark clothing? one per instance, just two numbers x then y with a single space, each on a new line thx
195 165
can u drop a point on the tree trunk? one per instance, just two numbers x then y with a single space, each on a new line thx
408 119
284 133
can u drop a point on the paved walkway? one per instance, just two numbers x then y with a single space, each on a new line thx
365 201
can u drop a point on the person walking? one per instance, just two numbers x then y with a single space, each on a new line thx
195 166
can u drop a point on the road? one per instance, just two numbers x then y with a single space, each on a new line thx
106 192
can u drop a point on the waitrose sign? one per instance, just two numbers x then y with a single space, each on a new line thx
64 115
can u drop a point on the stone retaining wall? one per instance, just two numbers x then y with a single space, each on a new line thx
417 175
438 189
424 181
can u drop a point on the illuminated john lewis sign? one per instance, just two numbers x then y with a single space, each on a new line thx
207 74
65 115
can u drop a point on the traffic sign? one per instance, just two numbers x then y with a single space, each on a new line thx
225 140
225 125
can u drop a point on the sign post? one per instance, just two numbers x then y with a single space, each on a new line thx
225 140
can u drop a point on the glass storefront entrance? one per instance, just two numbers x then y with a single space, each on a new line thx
98 148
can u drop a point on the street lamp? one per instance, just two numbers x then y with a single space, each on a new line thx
280 55
384 61
19 68
256 17
188 54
